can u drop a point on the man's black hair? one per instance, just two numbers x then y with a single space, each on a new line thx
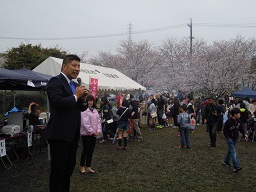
125 103
235 111
68 58
184 107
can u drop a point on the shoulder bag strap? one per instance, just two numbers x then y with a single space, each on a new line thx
123 113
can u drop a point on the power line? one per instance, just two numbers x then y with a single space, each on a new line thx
160 29
135 32
253 25
98 36
67 38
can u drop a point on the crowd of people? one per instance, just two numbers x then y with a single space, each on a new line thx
227 116
74 114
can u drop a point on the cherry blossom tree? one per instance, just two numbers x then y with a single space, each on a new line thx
213 68
217 68
139 60
221 67
176 58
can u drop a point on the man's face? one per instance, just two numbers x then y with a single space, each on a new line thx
211 101
237 116
72 69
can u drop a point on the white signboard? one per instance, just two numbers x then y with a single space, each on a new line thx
29 137
2 148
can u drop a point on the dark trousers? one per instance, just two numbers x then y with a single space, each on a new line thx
63 161
148 119
160 117
107 131
113 127
88 149
212 128
175 120
203 118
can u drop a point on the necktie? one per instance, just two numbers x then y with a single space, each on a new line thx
72 87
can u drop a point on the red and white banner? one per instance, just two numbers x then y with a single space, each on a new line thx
93 87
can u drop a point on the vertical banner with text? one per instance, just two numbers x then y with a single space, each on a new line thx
93 87
2 148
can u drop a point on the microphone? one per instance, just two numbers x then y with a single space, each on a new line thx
79 81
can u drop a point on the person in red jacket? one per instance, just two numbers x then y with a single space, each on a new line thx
231 132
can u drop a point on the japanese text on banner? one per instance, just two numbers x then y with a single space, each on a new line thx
93 87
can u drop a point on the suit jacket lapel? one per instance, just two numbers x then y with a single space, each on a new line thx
65 82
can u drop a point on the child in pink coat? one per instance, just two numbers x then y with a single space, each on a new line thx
89 130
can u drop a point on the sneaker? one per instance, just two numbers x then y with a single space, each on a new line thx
197 124
119 148
181 147
237 169
212 146
103 141
226 164
188 147
125 148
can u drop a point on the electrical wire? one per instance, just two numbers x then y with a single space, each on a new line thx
135 32
99 36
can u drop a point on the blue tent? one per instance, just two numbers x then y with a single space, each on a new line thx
247 92
14 109
18 80
36 76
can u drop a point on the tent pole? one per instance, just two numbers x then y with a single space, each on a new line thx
48 117
14 99
4 101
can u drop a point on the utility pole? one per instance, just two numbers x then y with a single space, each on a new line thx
130 33
191 37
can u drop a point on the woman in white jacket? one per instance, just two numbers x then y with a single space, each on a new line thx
152 110
90 129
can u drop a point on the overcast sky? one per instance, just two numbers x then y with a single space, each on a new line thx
99 25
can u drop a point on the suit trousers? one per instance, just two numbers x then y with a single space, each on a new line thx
63 161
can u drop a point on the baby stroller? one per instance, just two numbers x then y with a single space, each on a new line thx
251 131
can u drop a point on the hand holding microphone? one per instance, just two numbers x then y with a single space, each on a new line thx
81 90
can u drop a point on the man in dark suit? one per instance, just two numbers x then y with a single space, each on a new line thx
67 100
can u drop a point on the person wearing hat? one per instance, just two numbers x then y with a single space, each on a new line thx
213 115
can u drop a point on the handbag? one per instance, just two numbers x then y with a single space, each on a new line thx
110 121
164 116
153 114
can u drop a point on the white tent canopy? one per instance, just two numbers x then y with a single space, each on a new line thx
108 78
